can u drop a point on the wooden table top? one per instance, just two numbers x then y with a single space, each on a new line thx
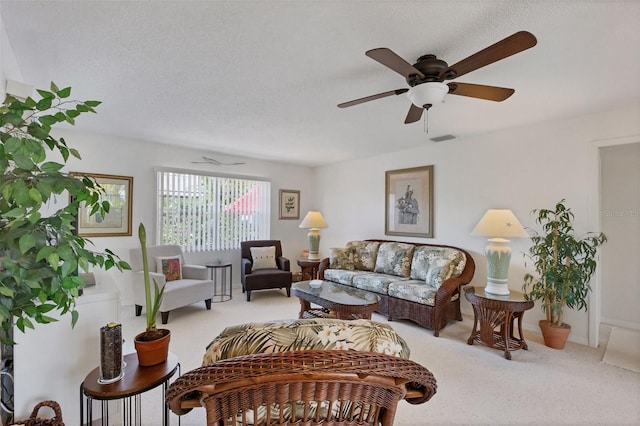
136 379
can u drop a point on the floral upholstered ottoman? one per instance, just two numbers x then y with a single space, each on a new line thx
302 334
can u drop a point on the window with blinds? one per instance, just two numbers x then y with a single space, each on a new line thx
207 212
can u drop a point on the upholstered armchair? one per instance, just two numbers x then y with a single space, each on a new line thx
262 266
184 284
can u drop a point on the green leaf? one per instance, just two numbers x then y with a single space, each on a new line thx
46 307
44 104
45 94
54 261
92 103
65 93
48 120
20 324
17 212
46 320
35 195
6 291
54 88
44 253
12 118
26 242
51 167
74 318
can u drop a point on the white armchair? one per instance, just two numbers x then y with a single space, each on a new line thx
193 284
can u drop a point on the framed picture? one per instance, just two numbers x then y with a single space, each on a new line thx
289 204
117 223
409 202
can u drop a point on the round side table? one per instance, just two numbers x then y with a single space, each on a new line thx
136 381
492 311
225 285
309 268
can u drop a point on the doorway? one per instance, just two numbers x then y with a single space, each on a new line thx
620 221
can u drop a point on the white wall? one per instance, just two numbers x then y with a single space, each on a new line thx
8 65
520 168
116 156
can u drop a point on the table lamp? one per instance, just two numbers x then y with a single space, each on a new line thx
313 221
498 225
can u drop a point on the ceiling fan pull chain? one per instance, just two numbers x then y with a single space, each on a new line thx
426 121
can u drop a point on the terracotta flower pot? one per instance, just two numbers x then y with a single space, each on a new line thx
554 337
152 351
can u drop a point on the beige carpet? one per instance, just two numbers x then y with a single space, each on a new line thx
476 385
623 349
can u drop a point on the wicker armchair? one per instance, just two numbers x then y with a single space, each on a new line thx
310 387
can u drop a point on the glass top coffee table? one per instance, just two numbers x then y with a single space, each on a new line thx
334 301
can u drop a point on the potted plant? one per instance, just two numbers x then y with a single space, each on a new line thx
152 345
40 251
564 265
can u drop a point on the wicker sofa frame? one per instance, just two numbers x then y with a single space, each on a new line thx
432 317
339 380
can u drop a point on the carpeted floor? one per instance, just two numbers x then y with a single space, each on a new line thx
623 349
476 385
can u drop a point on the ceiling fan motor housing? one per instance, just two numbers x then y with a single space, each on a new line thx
430 66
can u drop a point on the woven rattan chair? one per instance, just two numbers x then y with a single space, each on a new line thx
310 387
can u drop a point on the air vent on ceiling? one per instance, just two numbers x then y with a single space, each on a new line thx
443 138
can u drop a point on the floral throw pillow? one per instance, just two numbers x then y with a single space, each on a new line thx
341 258
170 267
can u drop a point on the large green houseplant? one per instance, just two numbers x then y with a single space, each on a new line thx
152 345
564 265
40 251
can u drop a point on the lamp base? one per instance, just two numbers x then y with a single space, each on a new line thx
498 255
499 289
314 243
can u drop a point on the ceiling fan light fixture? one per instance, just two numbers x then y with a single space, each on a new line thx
427 94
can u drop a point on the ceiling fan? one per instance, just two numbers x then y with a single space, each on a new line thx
426 76
209 160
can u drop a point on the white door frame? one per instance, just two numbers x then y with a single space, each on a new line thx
595 210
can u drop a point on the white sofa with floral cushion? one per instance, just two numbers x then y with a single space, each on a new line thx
418 282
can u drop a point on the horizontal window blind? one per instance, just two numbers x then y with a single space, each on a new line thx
207 212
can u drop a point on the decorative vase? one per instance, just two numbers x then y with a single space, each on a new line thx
111 353
554 337
152 351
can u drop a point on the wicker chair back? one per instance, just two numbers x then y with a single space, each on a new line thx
310 387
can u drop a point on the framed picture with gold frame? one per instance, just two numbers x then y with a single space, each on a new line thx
118 192
409 202
289 204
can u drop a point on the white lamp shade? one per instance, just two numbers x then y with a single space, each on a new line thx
313 219
499 223
430 93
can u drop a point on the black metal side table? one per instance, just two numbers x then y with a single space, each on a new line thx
225 285
135 381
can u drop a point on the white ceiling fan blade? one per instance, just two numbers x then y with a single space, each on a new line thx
209 160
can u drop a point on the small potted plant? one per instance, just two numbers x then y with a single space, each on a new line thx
564 265
152 345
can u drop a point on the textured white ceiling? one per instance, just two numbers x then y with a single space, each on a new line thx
263 78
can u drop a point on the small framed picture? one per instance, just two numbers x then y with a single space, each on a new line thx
409 202
289 204
117 223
